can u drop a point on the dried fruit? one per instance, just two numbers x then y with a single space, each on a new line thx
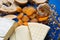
29 10
32 16
20 16
34 20
25 23
43 18
19 9
25 18
20 22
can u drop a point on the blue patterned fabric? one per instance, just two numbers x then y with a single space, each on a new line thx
54 32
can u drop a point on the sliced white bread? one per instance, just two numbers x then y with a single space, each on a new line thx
34 31
7 27
22 33
38 31
10 16
39 1
1 38
7 6
13 36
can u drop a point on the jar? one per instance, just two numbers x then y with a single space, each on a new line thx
44 12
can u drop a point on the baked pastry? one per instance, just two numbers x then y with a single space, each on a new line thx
21 2
10 16
39 1
7 6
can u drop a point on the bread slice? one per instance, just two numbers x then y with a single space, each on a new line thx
10 16
19 35
7 6
1 38
7 27
39 1
34 31
22 33
38 31
21 2
13 36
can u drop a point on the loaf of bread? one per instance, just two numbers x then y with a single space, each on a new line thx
7 6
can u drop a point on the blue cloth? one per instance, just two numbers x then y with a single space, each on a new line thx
57 3
54 36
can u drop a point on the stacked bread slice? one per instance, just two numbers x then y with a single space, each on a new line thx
7 27
34 31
